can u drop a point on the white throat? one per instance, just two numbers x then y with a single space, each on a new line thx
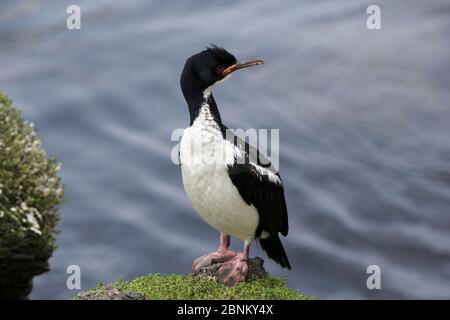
207 92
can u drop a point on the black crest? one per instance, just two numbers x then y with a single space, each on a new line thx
222 55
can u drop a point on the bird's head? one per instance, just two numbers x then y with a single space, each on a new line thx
209 67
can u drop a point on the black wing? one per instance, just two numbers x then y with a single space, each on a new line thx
259 184
250 174
254 155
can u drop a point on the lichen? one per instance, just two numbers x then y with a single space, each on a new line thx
30 193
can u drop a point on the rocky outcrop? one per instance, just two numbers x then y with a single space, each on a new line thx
203 286
255 270
110 293
30 192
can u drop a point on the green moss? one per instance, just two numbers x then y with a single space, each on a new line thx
181 287
30 192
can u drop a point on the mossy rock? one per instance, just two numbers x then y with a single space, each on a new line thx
30 193
182 287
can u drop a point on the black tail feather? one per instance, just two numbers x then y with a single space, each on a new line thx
274 249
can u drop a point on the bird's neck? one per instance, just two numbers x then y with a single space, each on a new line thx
200 99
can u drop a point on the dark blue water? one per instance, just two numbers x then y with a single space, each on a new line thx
364 119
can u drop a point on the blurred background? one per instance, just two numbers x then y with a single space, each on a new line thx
364 119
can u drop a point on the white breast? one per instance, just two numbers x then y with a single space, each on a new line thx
204 156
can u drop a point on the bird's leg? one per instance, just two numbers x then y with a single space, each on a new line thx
235 270
222 254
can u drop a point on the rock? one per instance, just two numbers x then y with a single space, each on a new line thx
110 293
255 270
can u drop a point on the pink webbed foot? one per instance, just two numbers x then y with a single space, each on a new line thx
211 258
233 271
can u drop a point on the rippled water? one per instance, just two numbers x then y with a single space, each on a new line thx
364 120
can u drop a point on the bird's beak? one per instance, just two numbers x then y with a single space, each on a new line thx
241 65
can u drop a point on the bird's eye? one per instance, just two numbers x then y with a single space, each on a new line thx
219 69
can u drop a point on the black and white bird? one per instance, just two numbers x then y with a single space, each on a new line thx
226 181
